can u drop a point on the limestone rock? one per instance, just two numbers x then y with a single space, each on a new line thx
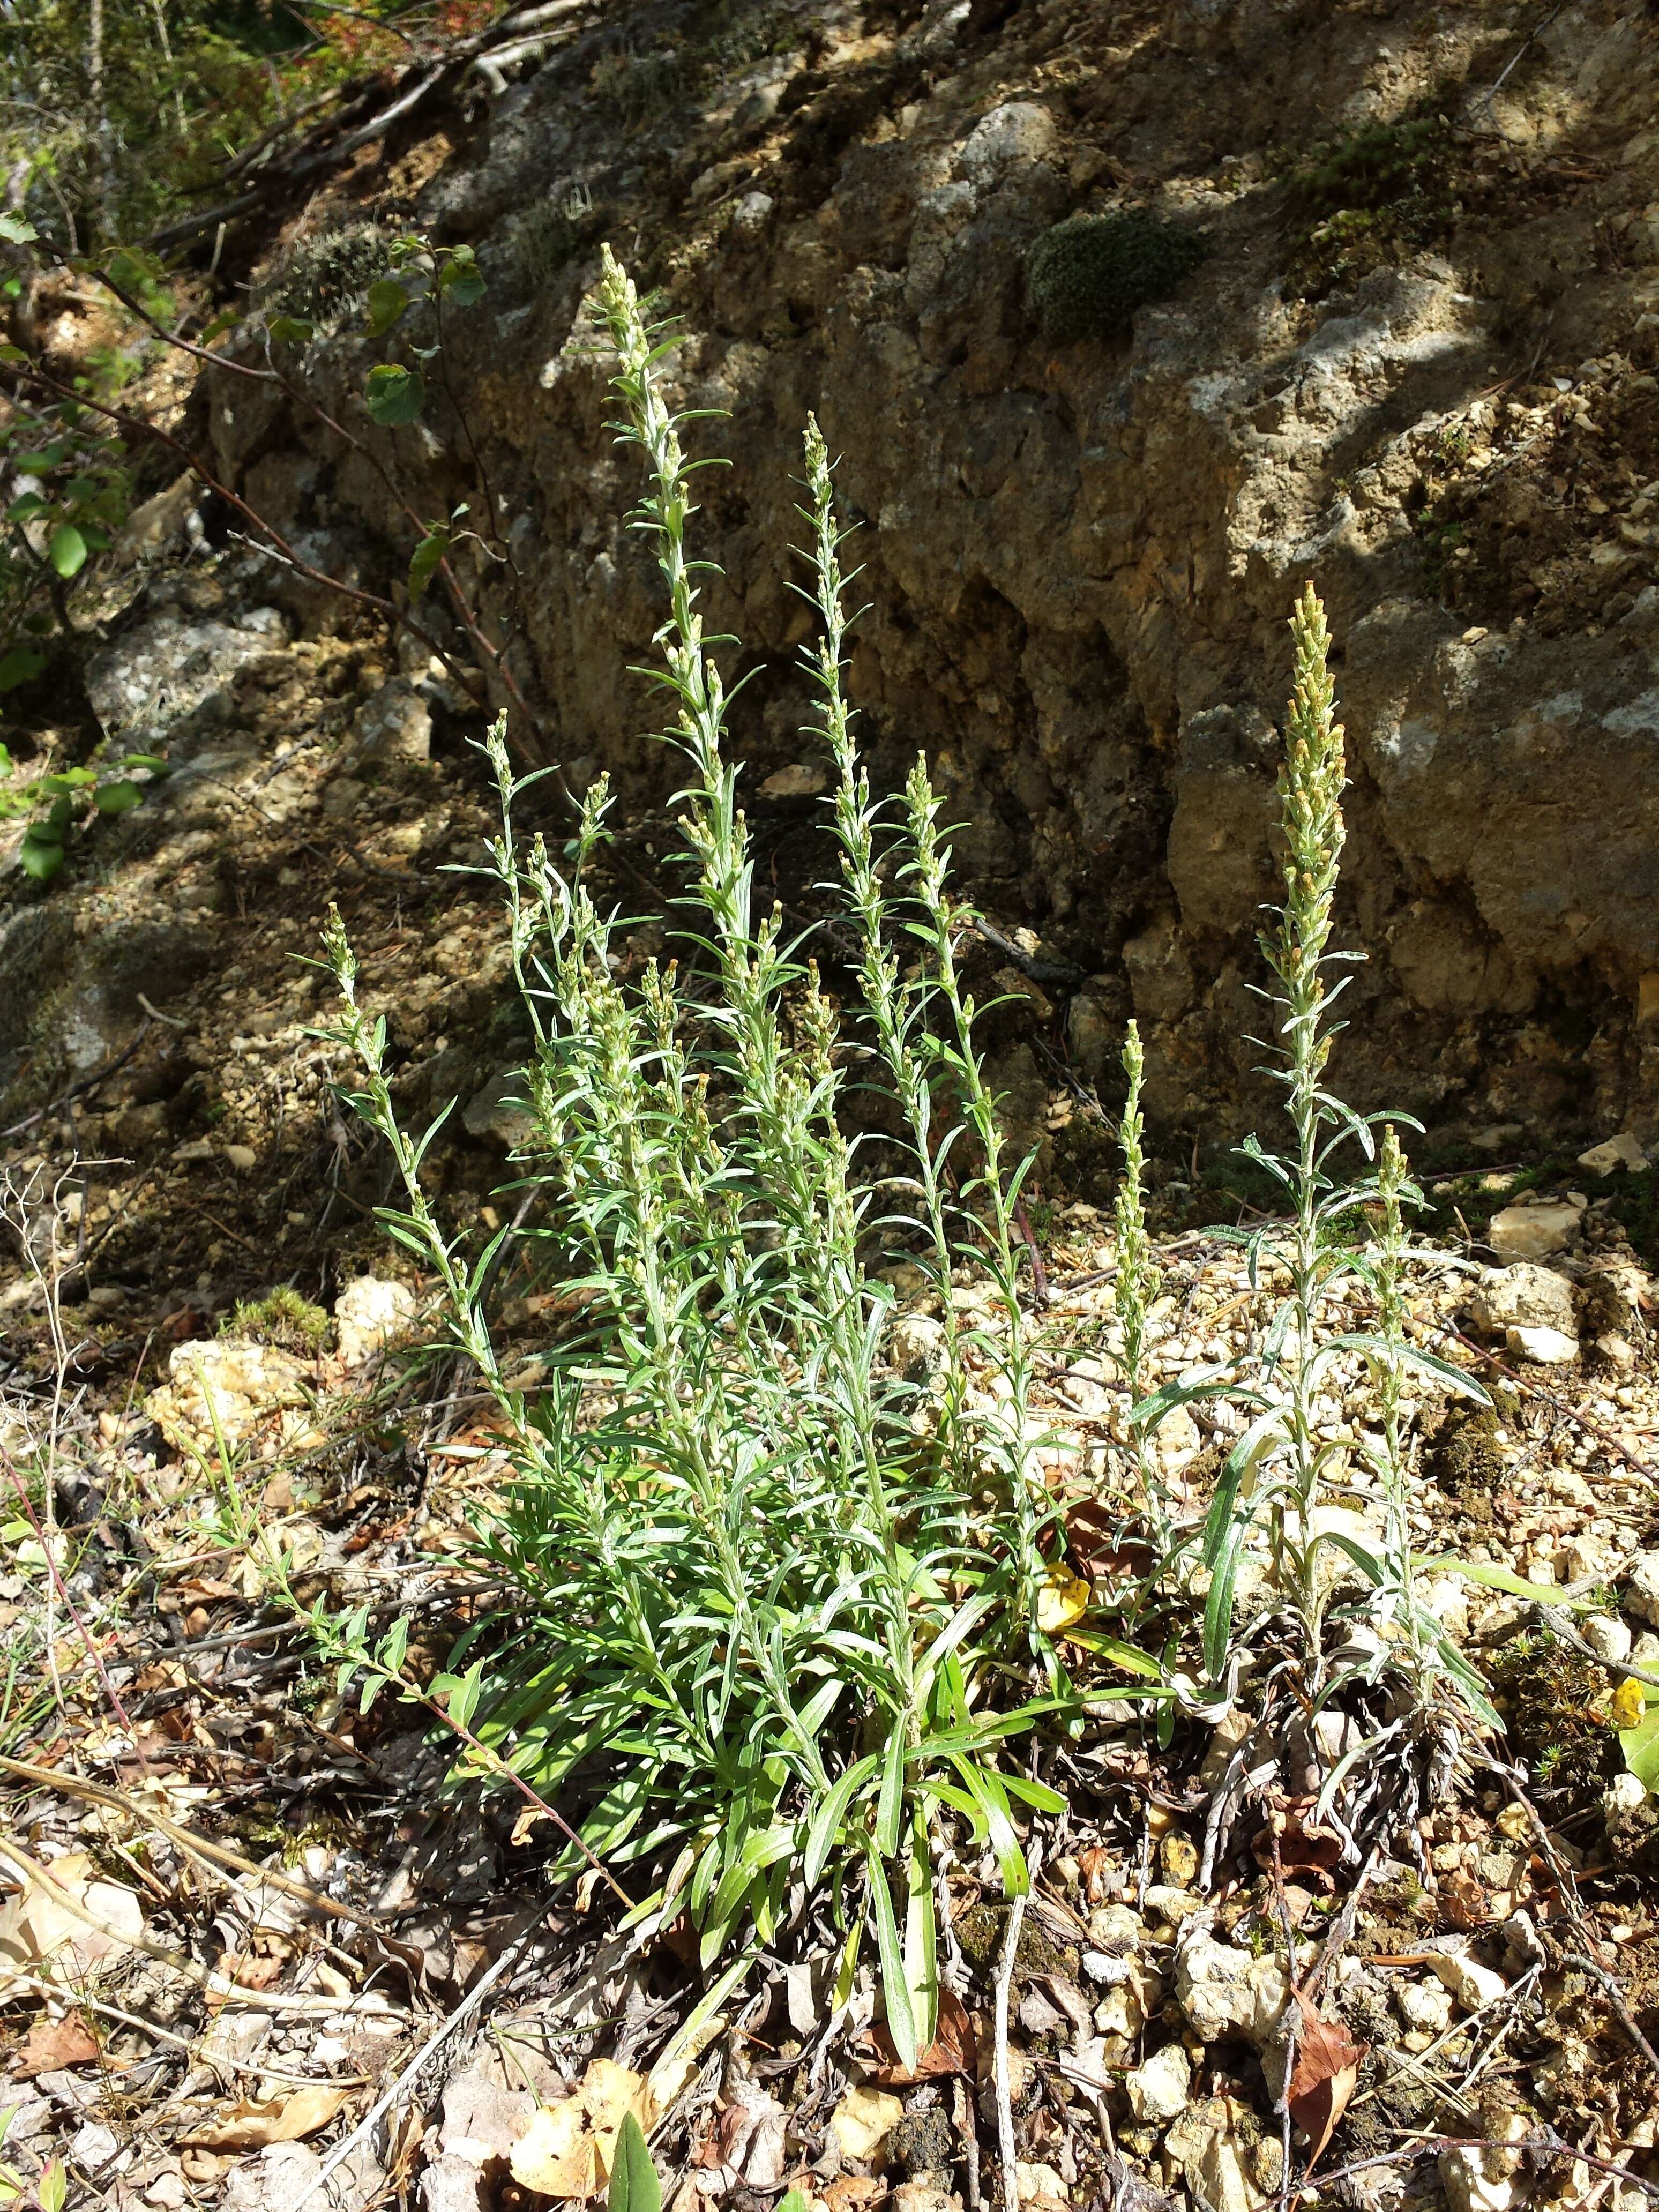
1524 1297
496 1111
1532 1233
751 214
1226 1991
1159 2089
1544 1347
394 723
241 1381
1642 1588
1424 2005
1470 1983
1607 1635
1217 2146
1483 2180
916 1346
1623 1151
1017 133
368 1313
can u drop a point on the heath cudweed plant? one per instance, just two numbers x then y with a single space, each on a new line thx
770 1621
1345 1585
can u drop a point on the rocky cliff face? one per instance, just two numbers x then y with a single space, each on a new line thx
1415 365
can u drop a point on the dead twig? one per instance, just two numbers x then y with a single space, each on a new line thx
1005 2098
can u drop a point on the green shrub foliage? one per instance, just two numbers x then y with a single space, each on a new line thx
1088 275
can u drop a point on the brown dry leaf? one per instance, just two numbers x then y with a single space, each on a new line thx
1306 1851
954 2049
247 2125
1327 2061
1097 1868
567 2149
51 2043
851 2192
1463 1899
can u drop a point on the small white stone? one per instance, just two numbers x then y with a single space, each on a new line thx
1160 2088
1424 2005
367 1314
1524 1297
916 1346
1544 1347
1168 1902
749 215
242 1158
1471 1983
1624 1797
1642 1590
1470 2186
1017 133
1608 1637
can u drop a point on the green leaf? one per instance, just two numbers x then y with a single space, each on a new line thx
1035 1794
20 665
393 395
461 278
39 858
388 303
290 329
1120 1654
423 566
633 2184
826 1821
1640 1746
14 356
890 1806
922 1938
67 552
1407 1355
16 230
900 2020
1500 1578
118 797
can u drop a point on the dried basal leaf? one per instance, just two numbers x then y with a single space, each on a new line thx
35 1929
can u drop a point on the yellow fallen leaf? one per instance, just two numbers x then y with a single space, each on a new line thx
1063 1598
252 2126
567 2149
863 2121
1627 1704
558 2154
